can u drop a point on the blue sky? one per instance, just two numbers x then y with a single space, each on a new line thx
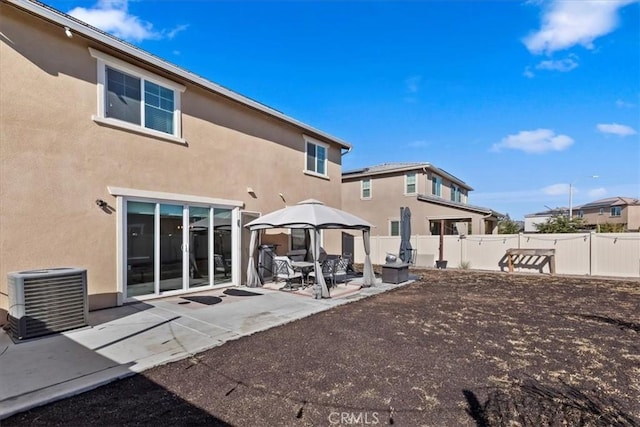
518 99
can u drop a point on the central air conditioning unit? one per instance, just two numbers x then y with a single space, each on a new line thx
47 301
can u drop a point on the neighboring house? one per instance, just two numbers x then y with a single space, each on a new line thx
142 173
434 196
531 220
621 211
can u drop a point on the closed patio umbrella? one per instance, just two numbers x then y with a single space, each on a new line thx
406 250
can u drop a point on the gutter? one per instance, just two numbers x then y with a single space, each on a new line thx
424 167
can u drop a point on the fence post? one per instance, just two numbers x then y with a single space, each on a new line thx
463 250
592 253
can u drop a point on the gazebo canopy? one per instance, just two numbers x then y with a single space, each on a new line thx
309 213
315 215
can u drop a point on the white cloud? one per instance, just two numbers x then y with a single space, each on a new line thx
113 17
172 33
418 144
562 65
623 104
535 141
412 84
616 129
528 73
556 190
597 193
569 23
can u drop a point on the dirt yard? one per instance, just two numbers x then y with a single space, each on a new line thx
457 348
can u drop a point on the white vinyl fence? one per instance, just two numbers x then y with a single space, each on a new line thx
595 254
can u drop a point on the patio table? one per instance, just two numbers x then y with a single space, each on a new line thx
303 266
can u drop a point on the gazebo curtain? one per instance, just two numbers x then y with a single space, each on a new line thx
320 289
368 277
253 280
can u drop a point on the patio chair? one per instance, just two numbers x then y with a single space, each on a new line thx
328 270
340 270
284 271
219 265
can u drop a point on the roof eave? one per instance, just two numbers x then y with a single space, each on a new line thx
81 28
477 209
364 172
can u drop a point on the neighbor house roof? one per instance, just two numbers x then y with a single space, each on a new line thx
610 201
550 212
79 27
398 167
457 205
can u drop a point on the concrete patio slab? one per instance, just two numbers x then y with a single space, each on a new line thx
125 340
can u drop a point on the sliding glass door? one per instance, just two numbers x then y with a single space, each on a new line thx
140 248
199 225
171 247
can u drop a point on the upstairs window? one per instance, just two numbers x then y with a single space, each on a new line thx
580 213
616 211
410 183
455 194
135 99
394 228
436 186
316 158
601 212
365 185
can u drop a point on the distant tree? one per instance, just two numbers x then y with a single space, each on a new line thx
508 226
610 228
561 224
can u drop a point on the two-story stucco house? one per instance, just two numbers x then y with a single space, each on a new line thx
123 164
436 199
618 211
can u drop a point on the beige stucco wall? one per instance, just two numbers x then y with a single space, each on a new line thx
629 215
387 196
56 161
633 217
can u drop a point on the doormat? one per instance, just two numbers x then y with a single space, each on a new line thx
240 293
204 299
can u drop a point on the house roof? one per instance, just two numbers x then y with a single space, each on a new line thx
458 205
77 26
550 212
397 167
610 201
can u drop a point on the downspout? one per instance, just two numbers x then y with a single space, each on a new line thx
347 152
424 169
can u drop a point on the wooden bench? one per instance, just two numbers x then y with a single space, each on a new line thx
548 254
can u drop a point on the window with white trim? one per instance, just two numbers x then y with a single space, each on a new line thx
580 213
133 98
616 211
365 186
455 193
316 157
394 228
410 183
436 186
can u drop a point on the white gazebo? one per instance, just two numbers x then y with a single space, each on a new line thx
314 215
